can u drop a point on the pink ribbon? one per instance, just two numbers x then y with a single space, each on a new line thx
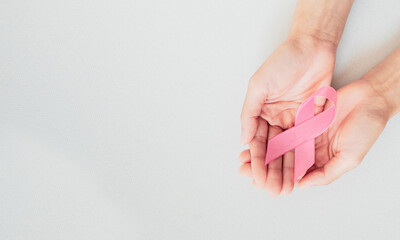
301 136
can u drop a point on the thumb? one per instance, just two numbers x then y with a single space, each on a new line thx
332 170
255 98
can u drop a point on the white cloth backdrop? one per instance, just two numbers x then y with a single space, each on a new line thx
120 120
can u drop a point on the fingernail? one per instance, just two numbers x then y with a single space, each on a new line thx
305 185
273 194
296 184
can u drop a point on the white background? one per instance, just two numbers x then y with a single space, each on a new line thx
120 120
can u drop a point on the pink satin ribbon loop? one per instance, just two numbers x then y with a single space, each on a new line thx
301 136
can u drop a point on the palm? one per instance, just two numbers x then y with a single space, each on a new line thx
291 74
358 123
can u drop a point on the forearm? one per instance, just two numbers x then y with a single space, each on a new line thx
320 20
384 79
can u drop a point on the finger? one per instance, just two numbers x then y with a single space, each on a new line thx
244 156
245 170
258 149
274 175
320 103
333 169
255 98
255 185
288 166
272 112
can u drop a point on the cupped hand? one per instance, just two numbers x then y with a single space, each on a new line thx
360 118
291 74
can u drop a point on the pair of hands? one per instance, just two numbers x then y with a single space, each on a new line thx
289 76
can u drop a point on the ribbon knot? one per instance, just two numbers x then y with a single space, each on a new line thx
301 137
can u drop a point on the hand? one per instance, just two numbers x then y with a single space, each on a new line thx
291 74
361 116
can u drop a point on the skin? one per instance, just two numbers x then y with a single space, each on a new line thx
286 76
363 109
301 65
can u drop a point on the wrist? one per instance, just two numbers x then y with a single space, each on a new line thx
369 99
312 43
387 91
314 37
322 21
384 79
